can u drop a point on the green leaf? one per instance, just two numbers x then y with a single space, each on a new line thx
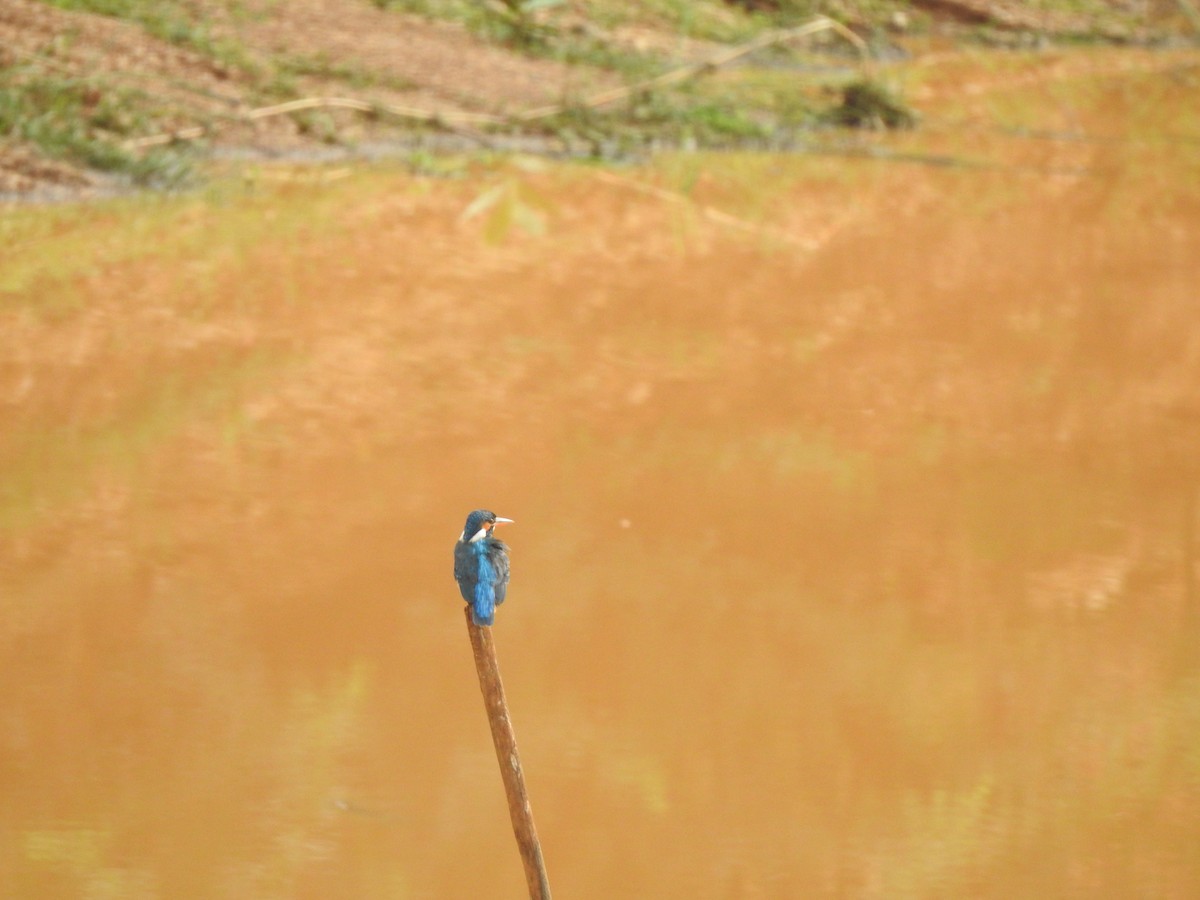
483 202
529 218
499 223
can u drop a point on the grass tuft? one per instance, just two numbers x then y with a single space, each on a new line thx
868 104
83 121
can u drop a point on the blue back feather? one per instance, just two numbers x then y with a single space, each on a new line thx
485 592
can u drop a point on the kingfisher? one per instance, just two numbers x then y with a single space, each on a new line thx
481 565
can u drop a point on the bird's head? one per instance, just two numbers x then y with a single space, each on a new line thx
480 524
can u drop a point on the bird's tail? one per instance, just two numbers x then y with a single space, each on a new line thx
483 610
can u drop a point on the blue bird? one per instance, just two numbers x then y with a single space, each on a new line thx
481 565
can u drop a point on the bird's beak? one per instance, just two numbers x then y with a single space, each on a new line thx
500 520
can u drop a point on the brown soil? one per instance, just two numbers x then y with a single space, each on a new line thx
409 61
414 62
72 44
446 66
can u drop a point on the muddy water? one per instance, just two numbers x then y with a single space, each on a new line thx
856 509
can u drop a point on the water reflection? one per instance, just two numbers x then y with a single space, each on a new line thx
861 567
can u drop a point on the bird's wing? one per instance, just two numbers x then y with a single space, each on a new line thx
466 571
500 571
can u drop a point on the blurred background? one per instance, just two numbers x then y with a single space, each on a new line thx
854 472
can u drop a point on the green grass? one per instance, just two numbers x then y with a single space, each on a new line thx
541 35
84 121
686 117
711 21
174 21
479 18
353 76
743 110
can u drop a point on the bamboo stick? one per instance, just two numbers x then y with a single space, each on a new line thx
519 809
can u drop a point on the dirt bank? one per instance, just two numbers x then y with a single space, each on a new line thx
84 92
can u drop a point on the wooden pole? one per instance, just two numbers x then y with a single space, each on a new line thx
519 809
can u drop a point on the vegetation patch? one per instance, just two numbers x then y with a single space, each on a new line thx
172 21
83 121
868 104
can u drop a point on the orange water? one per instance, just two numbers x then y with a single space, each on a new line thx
856 506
